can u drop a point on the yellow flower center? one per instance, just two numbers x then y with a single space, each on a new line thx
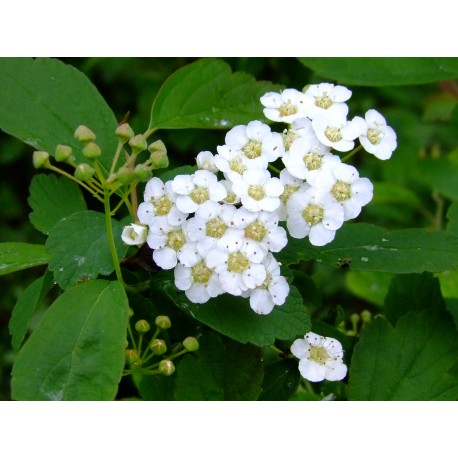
237 262
333 134
256 231
313 214
216 228
201 273
252 149
199 195
256 191
341 191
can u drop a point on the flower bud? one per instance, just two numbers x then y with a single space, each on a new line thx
158 347
84 134
84 172
132 356
40 159
191 344
125 175
163 322
142 326
92 150
143 172
138 143
166 367
63 153
124 133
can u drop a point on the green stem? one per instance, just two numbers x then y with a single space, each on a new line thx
352 153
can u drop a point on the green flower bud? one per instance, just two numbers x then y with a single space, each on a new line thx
84 134
62 153
142 326
125 175
132 356
163 322
84 172
124 133
166 367
40 159
191 344
158 347
92 150
143 172
138 143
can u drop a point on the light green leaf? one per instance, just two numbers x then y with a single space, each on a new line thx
281 379
206 94
43 101
383 71
79 248
77 350
407 363
18 256
51 199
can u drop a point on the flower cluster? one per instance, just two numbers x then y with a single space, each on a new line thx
219 227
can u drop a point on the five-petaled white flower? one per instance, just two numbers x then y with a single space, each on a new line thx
320 358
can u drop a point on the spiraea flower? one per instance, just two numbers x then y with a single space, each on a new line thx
134 234
285 106
320 358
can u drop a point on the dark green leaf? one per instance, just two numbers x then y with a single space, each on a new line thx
407 363
43 101
383 71
206 94
52 198
79 248
281 379
17 256
77 350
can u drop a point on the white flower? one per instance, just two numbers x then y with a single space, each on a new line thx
193 190
135 234
206 161
159 200
343 183
378 138
273 291
283 107
320 97
258 190
320 358
314 214
333 129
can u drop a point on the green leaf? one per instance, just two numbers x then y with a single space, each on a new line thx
43 101
79 248
18 256
370 286
53 198
372 248
281 379
206 94
412 292
407 363
233 317
383 71
220 370
77 350
26 306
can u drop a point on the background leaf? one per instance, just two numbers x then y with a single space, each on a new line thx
79 248
206 94
383 71
77 350
52 198
18 255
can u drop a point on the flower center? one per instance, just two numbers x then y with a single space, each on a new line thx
236 165
237 262
256 191
375 136
318 354
162 206
252 149
313 214
176 239
324 101
333 134
256 231
288 192
313 161
201 273
288 138
199 195
341 191
287 109
216 228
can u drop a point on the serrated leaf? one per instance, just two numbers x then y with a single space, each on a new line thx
281 379
407 363
26 306
79 248
206 94
383 71
43 101
233 317
77 350
372 248
51 199
18 256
